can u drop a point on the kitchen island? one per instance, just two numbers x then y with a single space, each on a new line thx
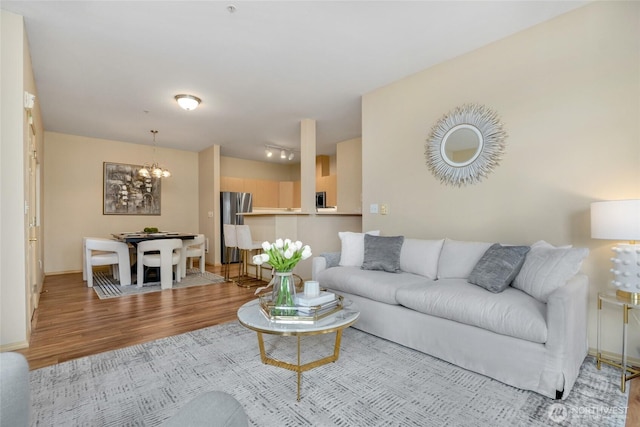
316 229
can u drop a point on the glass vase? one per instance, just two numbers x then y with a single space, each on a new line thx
284 293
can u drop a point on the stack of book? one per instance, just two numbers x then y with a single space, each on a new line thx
318 305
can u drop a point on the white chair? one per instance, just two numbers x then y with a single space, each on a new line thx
98 251
247 246
231 244
170 255
193 248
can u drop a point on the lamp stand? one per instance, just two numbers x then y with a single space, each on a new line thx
626 269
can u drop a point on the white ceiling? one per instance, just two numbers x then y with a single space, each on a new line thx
111 69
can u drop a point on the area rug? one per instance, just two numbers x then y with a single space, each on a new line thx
106 287
375 382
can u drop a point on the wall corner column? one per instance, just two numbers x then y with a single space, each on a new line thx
308 165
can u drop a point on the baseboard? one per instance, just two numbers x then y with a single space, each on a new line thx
57 273
614 356
14 346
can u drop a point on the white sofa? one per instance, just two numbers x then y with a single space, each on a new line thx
531 335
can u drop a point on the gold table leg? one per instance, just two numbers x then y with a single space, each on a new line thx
300 368
626 372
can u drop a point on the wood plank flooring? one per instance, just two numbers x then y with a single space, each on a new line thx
72 322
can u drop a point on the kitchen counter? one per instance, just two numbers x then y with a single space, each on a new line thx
319 230
322 211
269 213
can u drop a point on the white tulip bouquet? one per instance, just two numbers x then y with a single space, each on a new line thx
282 255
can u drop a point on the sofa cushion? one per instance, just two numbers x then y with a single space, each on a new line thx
382 253
352 253
375 285
512 312
457 259
547 268
498 267
421 257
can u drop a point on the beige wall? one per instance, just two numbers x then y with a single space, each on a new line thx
568 93
73 194
208 188
251 169
16 76
349 166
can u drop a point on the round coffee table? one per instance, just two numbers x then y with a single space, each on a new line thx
250 316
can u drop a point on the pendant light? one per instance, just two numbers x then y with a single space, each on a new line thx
154 170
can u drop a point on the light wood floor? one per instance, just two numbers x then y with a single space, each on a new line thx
72 322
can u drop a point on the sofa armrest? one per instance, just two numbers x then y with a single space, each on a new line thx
319 264
567 310
15 404
324 261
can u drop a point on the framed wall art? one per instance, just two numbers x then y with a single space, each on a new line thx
125 192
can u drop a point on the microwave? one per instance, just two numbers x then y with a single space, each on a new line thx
321 199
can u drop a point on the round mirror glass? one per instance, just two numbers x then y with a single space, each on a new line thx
465 145
461 145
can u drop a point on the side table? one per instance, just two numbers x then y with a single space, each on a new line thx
628 372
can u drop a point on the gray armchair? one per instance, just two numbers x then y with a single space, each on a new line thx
15 398
213 408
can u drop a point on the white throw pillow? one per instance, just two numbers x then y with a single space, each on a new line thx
352 253
457 259
547 268
421 257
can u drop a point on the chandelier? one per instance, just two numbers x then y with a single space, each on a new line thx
154 170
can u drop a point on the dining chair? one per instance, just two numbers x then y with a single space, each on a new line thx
193 248
99 251
247 246
231 245
163 253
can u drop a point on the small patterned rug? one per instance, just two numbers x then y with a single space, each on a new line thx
106 286
374 383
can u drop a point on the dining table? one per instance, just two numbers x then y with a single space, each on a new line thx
137 237
133 238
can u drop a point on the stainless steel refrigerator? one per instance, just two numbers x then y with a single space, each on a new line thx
231 204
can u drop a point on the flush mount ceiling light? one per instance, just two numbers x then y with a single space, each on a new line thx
188 102
285 153
154 169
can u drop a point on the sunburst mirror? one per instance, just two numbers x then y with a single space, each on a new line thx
465 145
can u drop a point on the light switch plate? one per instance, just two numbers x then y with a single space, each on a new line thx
373 208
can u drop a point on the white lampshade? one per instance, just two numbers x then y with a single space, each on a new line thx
188 102
616 220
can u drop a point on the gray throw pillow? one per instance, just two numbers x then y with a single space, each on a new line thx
382 253
332 258
498 267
